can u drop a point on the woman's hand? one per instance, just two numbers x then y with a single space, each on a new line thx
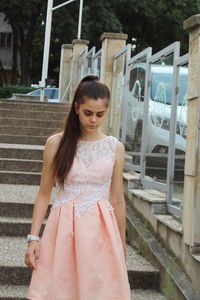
32 254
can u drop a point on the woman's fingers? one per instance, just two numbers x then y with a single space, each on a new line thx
31 256
37 253
27 260
32 260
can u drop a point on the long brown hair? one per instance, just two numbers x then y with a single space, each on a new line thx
89 87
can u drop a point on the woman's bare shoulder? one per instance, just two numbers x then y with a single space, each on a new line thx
53 142
54 139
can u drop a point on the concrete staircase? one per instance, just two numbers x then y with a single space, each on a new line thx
24 128
23 131
16 207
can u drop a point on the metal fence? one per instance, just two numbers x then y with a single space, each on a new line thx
89 63
149 114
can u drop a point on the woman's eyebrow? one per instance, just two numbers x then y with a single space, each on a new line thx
92 111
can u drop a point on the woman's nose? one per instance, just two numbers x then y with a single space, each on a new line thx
93 118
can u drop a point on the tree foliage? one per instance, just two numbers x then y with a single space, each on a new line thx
24 18
155 23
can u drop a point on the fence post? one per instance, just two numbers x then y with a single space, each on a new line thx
191 204
78 47
64 76
111 43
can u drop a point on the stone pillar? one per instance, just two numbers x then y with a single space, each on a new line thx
111 43
78 47
65 71
191 204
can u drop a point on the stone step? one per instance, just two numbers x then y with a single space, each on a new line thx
31 123
140 272
18 200
141 237
18 210
33 131
29 114
16 227
17 151
11 177
19 292
34 106
22 139
20 165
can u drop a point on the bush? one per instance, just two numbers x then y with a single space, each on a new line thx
8 90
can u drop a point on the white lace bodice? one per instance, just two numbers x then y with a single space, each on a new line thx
90 176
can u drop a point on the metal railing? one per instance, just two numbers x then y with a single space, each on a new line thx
97 63
152 114
119 89
90 61
149 114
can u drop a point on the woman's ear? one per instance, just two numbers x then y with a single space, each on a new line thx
76 107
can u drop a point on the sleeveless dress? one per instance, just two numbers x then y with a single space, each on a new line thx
81 254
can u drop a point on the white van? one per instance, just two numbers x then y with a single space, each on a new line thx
159 109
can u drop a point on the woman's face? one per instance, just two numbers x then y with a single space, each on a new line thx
91 113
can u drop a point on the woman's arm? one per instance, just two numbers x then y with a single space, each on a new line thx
46 184
42 199
117 193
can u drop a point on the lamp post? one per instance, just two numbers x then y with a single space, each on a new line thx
45 63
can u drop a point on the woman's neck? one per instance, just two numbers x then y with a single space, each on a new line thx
92 136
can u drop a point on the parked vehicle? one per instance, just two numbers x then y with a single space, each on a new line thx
51 93
158 122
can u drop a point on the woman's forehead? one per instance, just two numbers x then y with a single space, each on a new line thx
93 104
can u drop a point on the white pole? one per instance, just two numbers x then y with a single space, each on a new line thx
42 83
63 4
80 19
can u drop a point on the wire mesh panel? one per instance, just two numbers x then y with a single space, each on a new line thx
118 90
82 71
89 67
97 63
176 178
134 109
159 118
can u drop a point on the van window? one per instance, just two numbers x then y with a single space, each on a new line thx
137 74
164 80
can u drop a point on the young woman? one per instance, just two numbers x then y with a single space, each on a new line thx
82 252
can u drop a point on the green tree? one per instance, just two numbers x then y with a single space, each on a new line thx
99 16
155 23
24 18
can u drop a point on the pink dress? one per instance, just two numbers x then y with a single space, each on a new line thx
81 254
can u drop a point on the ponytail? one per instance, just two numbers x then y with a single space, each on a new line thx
89 87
